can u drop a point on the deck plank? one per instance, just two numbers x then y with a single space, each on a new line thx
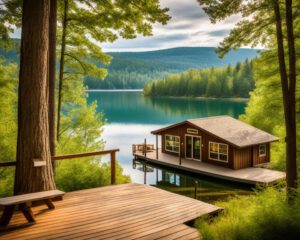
250 175
129 211
175 232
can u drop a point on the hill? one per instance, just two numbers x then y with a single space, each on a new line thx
130 70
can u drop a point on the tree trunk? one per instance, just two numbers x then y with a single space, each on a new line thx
291 164
61 64
33 128
52 75
289 108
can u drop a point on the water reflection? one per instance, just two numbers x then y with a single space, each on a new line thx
132 107
202 188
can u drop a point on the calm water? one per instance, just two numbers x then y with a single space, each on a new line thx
132 117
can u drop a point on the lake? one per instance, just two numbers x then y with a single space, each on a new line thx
131 117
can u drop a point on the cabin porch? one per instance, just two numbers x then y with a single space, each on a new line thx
252 175
128 211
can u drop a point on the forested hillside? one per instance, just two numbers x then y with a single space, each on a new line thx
227 81
129 70
132 70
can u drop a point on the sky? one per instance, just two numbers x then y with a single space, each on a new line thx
189 27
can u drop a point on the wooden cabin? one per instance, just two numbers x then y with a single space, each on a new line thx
221 140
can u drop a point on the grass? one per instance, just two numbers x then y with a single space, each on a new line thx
264 215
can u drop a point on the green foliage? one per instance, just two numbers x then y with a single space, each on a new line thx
265 108
8 123
86 173
214 82
10 15
8 110
81 130
265 215
85 24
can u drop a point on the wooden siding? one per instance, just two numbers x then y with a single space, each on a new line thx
181 131
260 160
241 158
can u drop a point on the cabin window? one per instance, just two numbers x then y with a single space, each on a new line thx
262 150
172 143
218 151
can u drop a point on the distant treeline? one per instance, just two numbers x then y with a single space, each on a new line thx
230 81
132 70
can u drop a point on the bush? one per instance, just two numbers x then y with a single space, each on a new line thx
265 215
76 174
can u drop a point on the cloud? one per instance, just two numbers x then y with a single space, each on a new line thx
219 33
189 26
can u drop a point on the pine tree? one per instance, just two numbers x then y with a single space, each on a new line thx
33 127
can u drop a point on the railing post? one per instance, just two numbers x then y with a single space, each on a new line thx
196 189
157 147
179 154
145 148
145 173
113 168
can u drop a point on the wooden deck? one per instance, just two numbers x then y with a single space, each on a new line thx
129 211
247 175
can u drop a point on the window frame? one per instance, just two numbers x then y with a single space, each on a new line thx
169 135
218 153
265 150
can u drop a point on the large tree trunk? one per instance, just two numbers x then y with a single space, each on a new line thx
289 108
291 163
33 128
61 64
52 75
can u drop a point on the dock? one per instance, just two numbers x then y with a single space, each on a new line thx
251 175
127 211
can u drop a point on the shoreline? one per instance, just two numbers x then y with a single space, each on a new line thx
237 99
114 90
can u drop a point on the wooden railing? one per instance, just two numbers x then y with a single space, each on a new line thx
112 153
144 148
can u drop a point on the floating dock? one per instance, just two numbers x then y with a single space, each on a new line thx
251 175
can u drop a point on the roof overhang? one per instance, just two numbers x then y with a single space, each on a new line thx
161 130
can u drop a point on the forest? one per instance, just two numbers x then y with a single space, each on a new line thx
132 70
230 81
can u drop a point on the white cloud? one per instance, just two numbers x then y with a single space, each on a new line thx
189 26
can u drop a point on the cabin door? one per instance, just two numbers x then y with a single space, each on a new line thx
193 147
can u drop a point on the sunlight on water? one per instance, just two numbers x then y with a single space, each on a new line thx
122 136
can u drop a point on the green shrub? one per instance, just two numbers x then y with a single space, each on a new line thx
265 215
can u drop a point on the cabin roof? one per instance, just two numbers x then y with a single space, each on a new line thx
228 129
